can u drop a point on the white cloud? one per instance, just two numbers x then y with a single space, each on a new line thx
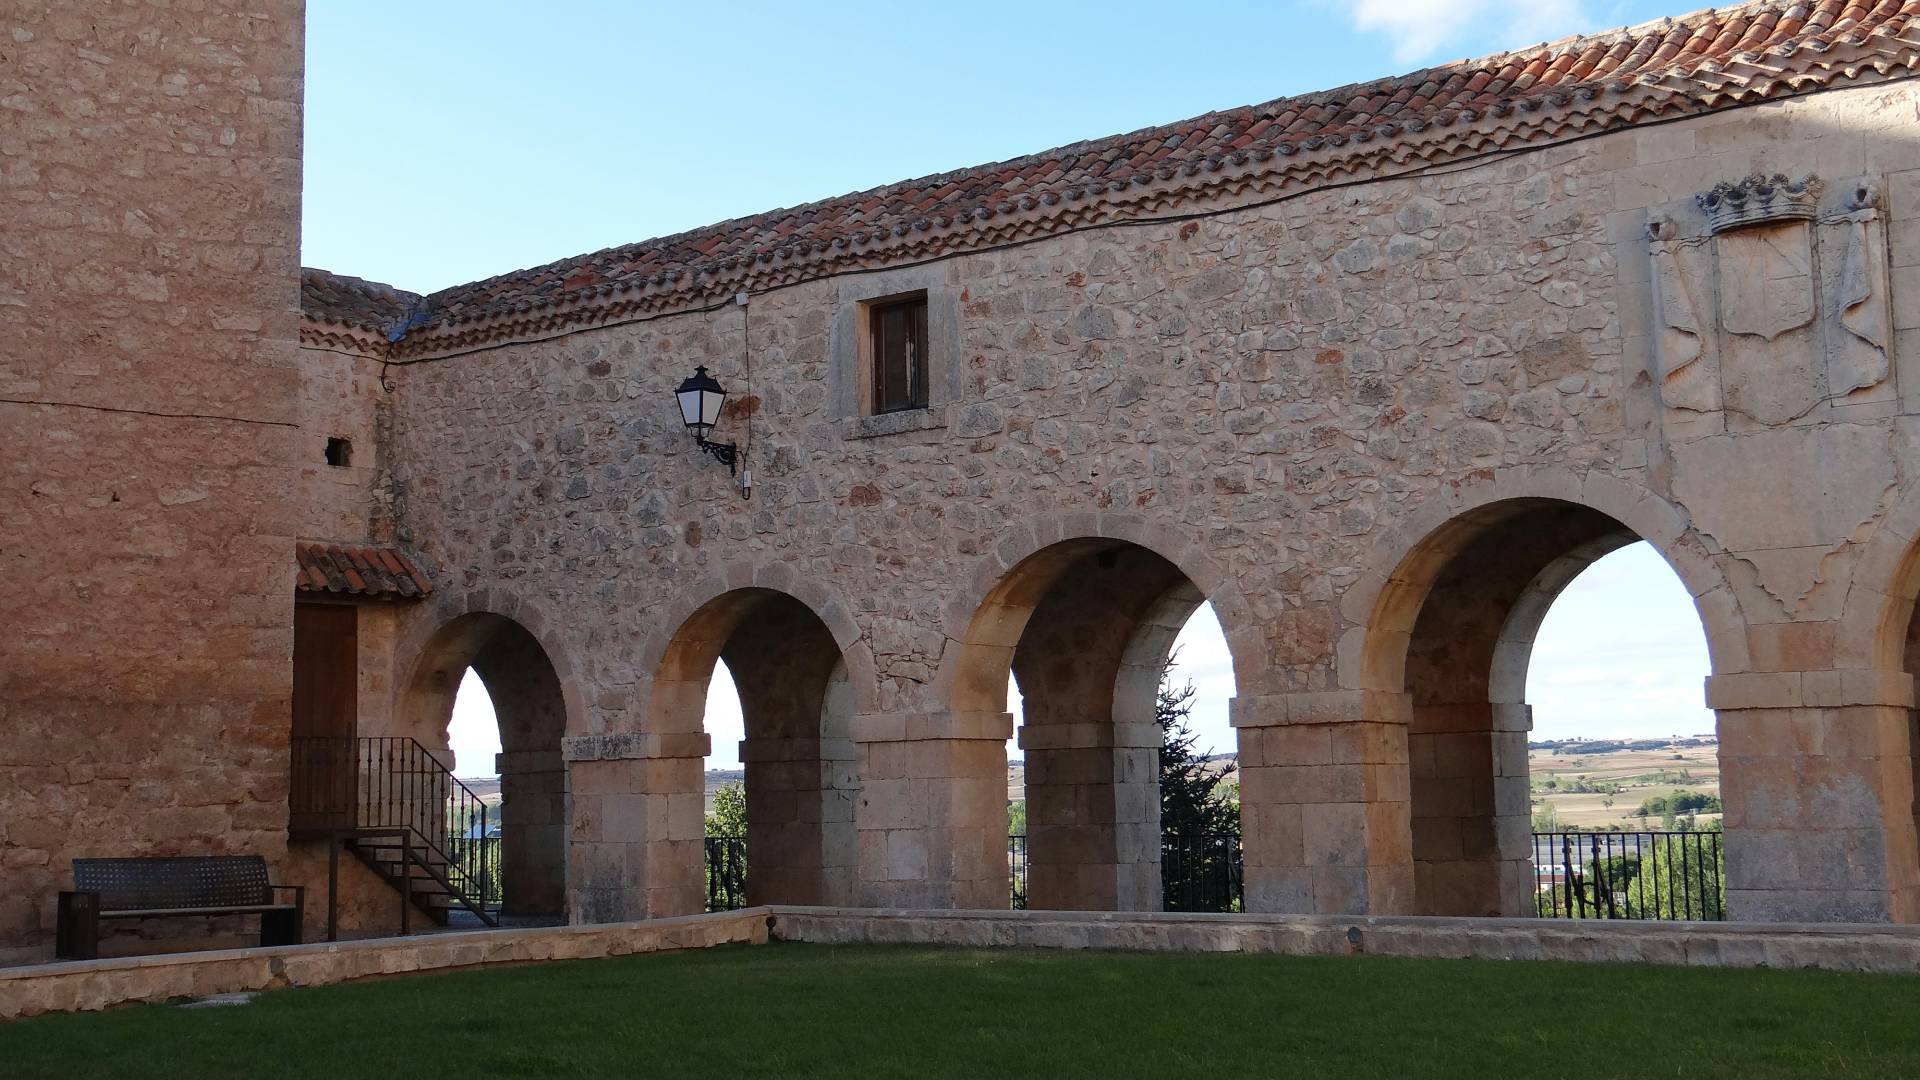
1423 29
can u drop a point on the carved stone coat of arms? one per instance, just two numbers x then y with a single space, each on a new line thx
1770 298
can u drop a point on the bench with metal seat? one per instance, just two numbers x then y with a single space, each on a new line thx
174 887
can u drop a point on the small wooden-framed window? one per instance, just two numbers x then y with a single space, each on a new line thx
899 329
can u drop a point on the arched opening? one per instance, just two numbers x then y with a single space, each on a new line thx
796 753
1084 628
519 695
1900 637
1454 637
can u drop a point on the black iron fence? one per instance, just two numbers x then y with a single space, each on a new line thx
1639 875
482 853
1201 873
1197 873
726 872
1017 870
1579 875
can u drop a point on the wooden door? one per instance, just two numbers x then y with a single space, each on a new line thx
326 681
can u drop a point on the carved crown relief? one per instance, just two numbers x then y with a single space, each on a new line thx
1770 299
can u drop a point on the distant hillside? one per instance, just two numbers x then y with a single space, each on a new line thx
1614 746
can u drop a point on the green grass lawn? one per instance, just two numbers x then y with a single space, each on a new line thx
811 1010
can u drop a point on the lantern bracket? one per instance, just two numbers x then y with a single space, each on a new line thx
725 453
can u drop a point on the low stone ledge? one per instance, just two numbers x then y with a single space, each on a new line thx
98 984
1829 946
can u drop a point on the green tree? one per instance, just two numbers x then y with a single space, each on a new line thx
1016 817
729 814
1199 824
1192 801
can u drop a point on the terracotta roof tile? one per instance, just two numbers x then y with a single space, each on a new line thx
353 302
355 570
1703 61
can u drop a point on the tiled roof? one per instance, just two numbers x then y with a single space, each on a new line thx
354 303
352 570
1693 64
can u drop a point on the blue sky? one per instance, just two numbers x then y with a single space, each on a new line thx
447 142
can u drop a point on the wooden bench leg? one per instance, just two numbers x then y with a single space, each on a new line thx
76 934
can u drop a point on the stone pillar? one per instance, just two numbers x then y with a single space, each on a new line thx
634 845
1093 816
1472 823
933 809
1324 803
533 832
801 847
1816 773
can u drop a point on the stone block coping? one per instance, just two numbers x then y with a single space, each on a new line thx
99 984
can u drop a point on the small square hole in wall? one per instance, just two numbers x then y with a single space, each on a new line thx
339 452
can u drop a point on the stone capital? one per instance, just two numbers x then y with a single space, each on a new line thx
1317 707
923 726
528 761
1087 736
1835 688
796 748
633 746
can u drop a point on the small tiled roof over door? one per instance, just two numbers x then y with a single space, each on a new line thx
351 570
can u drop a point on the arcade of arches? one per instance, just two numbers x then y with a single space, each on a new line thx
1372 378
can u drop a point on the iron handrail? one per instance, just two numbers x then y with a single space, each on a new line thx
393 782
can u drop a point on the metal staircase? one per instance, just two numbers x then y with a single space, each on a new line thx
392 804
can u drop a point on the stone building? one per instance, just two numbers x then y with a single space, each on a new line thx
1375 371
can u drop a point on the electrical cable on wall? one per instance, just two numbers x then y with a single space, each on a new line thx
748 404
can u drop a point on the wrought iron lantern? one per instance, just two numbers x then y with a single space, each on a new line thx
700 400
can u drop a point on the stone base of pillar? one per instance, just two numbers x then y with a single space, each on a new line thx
1816 773
801 846
1324 811
1093 816
635 849
932 822
533 832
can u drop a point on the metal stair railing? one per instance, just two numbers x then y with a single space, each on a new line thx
391 786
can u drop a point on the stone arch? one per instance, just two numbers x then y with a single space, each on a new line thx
1083 617
531 705
1881 599
446 637
799 684
1444 650
978 614
688 623
1880 632
1388 595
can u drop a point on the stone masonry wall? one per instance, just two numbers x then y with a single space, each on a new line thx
148 302
1283 400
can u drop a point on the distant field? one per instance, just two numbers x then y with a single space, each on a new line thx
1642 774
